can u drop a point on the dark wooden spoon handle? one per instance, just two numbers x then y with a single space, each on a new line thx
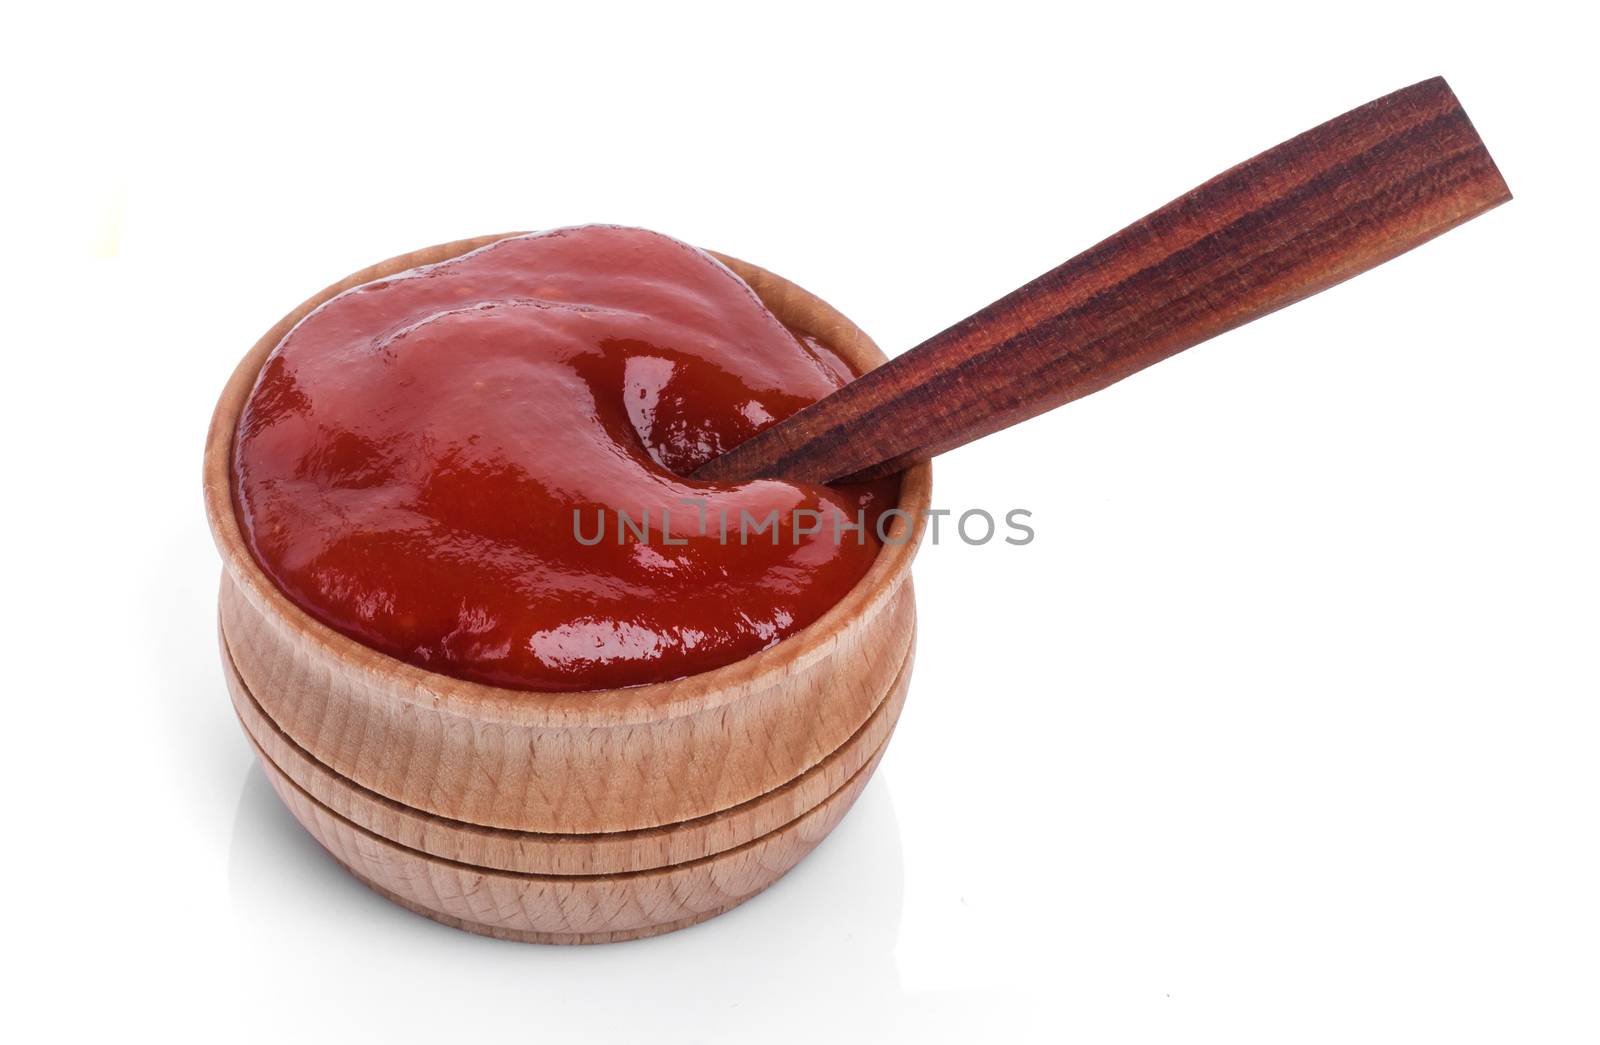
1314 211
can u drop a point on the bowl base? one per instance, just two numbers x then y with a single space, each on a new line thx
559 939
541 907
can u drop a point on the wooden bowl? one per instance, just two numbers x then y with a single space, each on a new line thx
566 817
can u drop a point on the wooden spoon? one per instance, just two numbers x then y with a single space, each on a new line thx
1314 211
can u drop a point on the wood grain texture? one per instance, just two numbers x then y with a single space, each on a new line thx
1299 218
498 770
600 761
583 854
523 936
566 908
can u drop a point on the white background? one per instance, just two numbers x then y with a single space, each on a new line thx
1285 728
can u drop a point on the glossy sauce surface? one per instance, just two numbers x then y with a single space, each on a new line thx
408 466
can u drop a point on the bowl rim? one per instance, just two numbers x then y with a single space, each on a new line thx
645 703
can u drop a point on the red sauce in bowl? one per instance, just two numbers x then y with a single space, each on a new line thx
409 464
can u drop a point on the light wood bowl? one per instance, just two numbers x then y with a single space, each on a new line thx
566 817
